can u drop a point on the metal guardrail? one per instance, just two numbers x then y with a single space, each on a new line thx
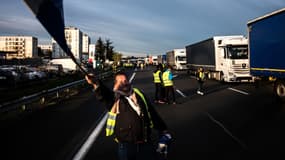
40 96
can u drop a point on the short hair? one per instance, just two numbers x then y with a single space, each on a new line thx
159 66
169 66
120 73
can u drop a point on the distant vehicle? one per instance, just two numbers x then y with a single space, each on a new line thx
161 59
52 69
67 64
154 60
177 59
31 75
224 58
267 49
8 76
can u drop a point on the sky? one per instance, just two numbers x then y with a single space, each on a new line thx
142 27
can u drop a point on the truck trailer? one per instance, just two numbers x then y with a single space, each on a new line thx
177 59
267 49
67 64
224 58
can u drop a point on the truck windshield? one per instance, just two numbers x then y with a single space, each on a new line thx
238 52
181 58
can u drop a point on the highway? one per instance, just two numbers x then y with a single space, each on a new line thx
231 121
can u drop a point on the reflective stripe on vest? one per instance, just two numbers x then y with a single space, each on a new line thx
137 91
156 78
111 121
201 75
166 80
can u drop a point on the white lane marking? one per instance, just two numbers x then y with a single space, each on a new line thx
227 131
174 76
86 146
95 133
132 77
239 91
182 94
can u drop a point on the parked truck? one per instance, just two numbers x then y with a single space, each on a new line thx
224 58
267 49
177 59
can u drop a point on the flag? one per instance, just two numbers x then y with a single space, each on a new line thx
51 16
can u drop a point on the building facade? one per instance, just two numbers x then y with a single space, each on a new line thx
46 49
73 38
85 44
19 47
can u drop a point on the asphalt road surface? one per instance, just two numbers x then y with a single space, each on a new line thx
231 121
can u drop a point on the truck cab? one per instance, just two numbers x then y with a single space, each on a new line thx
232 58
180 60
177 58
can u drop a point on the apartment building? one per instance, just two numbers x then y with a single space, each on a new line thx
19 47
73 38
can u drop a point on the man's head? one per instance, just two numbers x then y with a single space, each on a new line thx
159 66
120 81
169 67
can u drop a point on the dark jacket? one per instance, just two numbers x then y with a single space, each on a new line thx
130 127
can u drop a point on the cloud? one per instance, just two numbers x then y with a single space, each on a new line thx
143 26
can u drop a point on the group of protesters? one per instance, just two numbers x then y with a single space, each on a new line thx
164 86
163 80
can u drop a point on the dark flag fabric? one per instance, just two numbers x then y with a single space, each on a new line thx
51 16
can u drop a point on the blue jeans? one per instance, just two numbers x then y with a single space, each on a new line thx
141 151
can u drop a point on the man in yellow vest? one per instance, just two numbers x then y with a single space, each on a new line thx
167 78
201 80
157 79
134 121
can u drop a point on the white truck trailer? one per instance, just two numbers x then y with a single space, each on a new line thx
224 58
177 59
67 64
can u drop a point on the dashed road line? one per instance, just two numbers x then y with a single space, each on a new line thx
132 77
182 94
239 91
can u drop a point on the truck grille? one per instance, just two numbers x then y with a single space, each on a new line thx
240 68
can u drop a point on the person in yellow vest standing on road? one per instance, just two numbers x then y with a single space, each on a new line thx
157 79
167 78
201 80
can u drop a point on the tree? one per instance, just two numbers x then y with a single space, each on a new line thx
99 50
117 57
109 50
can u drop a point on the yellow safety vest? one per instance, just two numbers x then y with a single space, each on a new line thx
166 80
111 121
202 75
156 78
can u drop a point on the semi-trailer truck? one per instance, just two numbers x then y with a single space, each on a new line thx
177 59
224 58
267 49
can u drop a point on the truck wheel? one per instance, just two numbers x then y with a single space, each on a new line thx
279 89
